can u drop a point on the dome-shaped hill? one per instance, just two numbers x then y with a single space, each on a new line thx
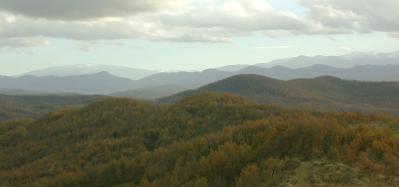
209 97
375 93
244 84
118 103
207 103
323 83
98 114
326 92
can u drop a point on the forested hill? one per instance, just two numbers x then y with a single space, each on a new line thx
34 106
203 140
321 93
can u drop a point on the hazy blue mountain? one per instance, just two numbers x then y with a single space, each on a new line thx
98 83
344 61
232 68
197 79
323 93
131 73
159 85
185 79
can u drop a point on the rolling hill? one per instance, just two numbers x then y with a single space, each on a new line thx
360 73
215 140
151 93
17 107
324 93
190 79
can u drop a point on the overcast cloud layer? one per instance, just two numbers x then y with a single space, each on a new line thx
188 20
356 15
84 9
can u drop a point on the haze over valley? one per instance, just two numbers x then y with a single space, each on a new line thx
123 81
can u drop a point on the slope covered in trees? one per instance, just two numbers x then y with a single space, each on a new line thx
34 106
151 93
203 140
322 93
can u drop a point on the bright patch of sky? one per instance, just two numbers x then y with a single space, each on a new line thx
288 5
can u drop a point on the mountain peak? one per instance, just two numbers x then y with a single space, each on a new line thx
83 69
104 73
279 67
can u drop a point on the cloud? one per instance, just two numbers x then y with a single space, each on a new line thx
394 35
79 30
22 46
13 43
346 49
196 38
90 46
190 20
83 9
354 15
235 15
275 47
198 21
105 29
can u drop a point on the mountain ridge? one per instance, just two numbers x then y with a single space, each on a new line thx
343 61
97 83
106 83
80 69
321 93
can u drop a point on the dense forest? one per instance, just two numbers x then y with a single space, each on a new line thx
203 140
35 106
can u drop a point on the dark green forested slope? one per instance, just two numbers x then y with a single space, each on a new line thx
33 106
322 93
204 140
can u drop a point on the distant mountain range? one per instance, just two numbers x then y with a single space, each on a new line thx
82 69
98 83
162 84
186 79
343 61
196 79
321 93
146 84
302 87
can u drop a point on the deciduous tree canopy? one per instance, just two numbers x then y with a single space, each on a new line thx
204 140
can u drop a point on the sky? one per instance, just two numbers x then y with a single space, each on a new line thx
170 35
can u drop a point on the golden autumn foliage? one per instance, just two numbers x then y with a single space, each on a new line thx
204 140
